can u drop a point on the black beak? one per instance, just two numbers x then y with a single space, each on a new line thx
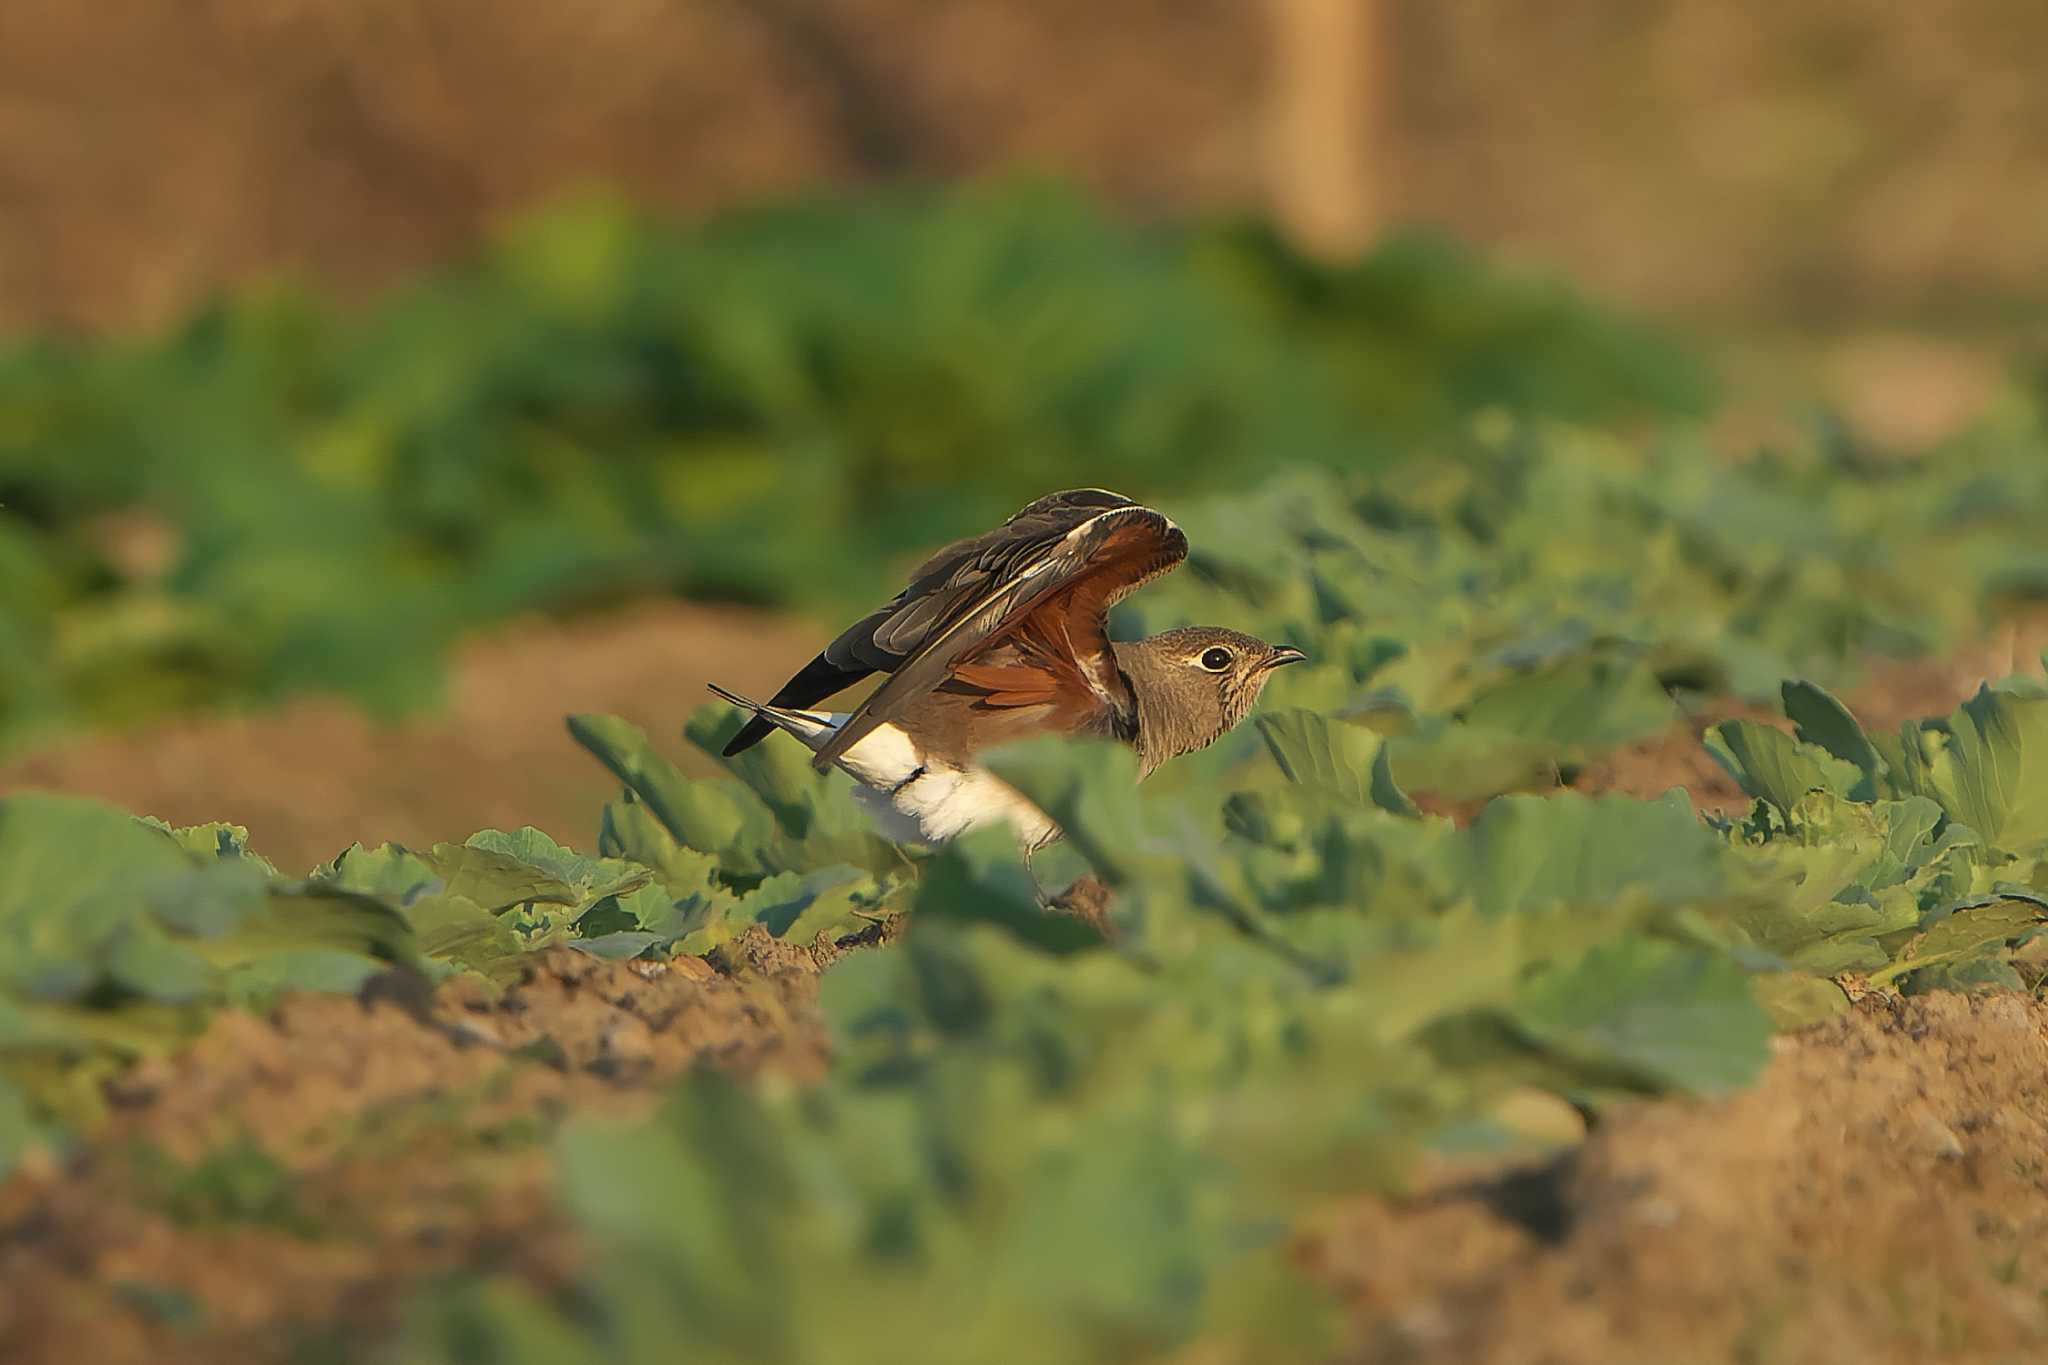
1284 654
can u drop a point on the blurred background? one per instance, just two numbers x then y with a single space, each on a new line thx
1831 162
618 346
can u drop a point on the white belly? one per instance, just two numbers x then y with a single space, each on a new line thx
929 803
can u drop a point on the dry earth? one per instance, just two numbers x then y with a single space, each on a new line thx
1880 1196
293 1177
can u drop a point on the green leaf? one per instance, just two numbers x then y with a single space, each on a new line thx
617 946
1328 755
781 773
315 917
1990 769
699 815
1460 762
209 900
67 863
457 931
260 981
1651 1011
1576 705
1527 852
1972 932
391 872
494 880
1794 1000
1773 766
799 908
1819 719
1822 903
631 835
1469 960
588 878
145 960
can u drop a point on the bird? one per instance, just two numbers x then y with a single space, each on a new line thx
1003 636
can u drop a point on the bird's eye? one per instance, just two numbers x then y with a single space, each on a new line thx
1216 660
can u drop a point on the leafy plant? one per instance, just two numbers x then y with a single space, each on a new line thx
1038 1147
280 497
1923 852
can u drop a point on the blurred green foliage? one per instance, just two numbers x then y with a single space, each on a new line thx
777 407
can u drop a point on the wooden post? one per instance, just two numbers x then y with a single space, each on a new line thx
1325 126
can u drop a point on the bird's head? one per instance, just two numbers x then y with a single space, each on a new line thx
1194 685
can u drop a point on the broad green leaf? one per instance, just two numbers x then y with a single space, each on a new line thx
1575 705
208 900
700 815
1469 961
315 917
1527 852
65 864
589 878
1794 1000
389 871
1460 762
1773 766
619 945
144 959
780 772
456 931
631 835
1969 933
1653 1011
799 908
1853 877
654 909
261 980
1349 761
1819 719
496 880
1990 770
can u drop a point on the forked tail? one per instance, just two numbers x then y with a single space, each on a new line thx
744 703
805 725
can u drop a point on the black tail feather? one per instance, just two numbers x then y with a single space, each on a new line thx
819 679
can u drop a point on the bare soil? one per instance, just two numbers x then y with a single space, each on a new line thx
1880 1196
296 1175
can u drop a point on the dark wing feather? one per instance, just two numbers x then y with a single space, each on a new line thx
941 587
1052 586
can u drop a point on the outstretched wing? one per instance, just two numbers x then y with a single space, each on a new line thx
944 585
1023 620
